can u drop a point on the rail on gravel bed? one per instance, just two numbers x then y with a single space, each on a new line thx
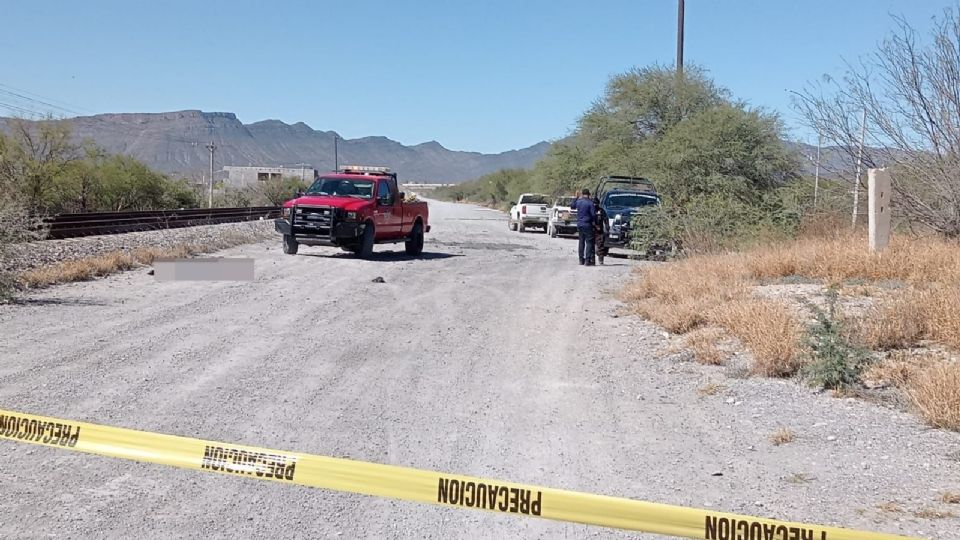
94 223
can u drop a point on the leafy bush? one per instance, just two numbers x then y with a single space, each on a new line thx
834 362
50 174
711 222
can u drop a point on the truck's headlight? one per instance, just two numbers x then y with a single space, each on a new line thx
285 212
617 218
351 216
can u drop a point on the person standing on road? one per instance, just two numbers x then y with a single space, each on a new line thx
602 227
586 217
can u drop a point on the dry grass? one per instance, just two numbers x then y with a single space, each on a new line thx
118 261
677 317
950 497
913 316
930 513
844 257
711 389
891 507
782 436
704 343
717 290
897 368
935 391
769 329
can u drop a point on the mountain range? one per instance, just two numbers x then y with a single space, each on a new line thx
175 143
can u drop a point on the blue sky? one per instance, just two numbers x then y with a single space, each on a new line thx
486 76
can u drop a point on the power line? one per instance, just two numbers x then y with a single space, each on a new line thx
19 109
53 101
36 101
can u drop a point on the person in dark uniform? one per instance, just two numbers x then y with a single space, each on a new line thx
586 216
601 226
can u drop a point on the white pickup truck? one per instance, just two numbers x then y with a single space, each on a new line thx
531 210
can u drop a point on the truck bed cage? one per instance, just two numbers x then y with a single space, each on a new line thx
636 183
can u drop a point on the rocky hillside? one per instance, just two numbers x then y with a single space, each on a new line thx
173 142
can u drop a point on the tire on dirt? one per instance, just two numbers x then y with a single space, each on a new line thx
414 246
290 244
366 242
520 226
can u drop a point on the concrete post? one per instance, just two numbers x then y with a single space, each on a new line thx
878 194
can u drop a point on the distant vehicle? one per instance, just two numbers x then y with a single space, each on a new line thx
531 210
353 208
563 218
621 197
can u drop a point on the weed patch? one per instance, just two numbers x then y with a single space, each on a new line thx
935 391
782 436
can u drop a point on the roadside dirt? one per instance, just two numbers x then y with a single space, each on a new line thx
494 355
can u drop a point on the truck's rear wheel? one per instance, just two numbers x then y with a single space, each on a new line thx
366 243
290 244
414 246
512 225
520 226
552 231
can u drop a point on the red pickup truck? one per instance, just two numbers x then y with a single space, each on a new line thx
353 209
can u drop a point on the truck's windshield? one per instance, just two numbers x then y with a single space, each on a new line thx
631 200
361 189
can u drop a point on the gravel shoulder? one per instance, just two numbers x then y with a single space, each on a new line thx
494 355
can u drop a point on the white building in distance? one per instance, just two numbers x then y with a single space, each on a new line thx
239 177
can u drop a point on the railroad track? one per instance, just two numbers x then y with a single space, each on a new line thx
94 223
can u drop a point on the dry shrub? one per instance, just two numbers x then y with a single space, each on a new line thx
78 270
896 369
782 436
711 389
847 256
707 278
935 390
714 290
950 497
913 316
148 255
677 317
768 329
893 507
824 225
704 342
932 513
117 261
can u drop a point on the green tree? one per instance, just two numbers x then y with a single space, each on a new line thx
33 157
277 191
724 150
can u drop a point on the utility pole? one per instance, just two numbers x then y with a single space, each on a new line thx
211 147
816 176
680 86
680 38
856 183
336 153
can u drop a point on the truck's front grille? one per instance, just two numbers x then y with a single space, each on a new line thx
318 219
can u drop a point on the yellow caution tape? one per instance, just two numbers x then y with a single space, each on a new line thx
409 484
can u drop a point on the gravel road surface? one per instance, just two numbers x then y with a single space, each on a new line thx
494 355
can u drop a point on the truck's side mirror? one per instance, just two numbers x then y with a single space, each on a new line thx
402 195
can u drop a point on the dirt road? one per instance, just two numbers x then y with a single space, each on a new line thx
494 355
